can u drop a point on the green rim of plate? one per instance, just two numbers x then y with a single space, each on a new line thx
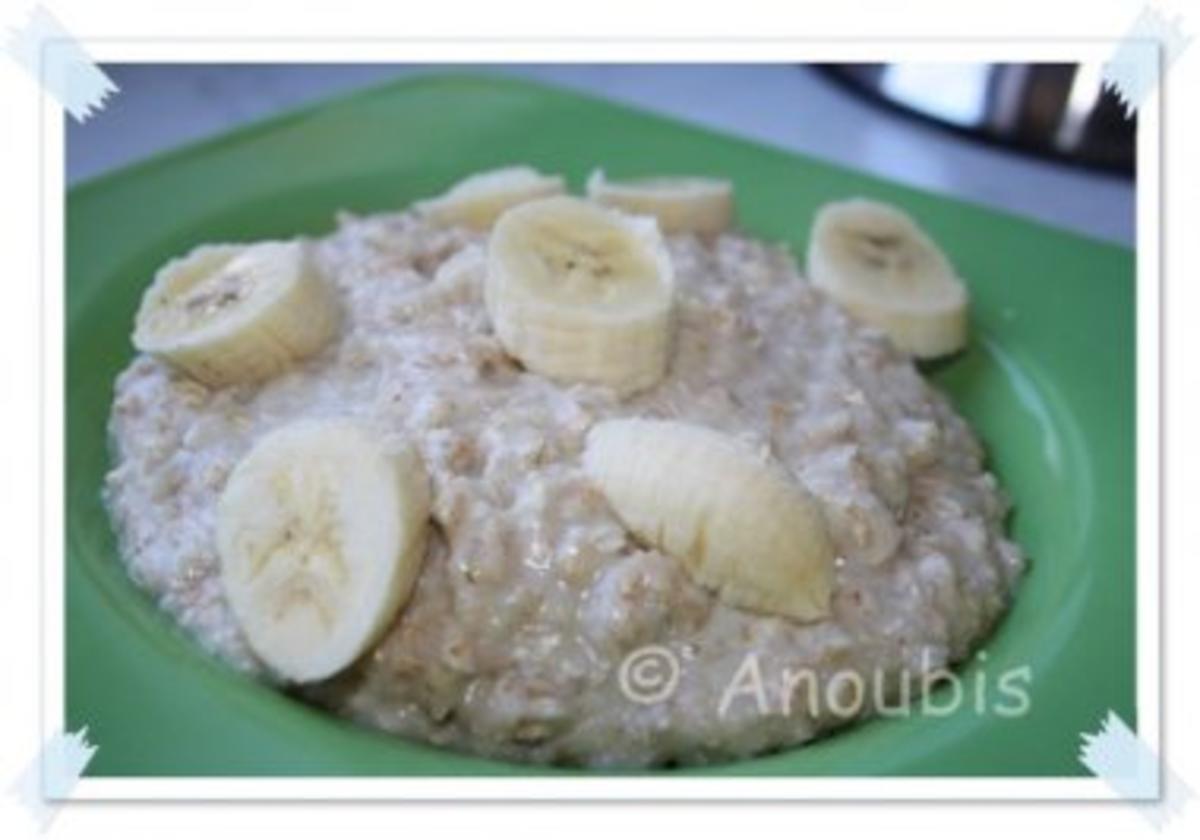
1048 382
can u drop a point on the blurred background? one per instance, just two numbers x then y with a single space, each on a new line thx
1043 141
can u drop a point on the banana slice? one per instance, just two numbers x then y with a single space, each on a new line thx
578 292
740 525
876 262
237 313
321 534
682 204
477 201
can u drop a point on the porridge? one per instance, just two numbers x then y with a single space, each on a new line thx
861 530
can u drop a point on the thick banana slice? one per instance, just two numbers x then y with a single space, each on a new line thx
477 201
321 534
237 313
740 525
579 292
682 204
876 262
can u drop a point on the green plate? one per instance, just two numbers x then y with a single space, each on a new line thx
1048 382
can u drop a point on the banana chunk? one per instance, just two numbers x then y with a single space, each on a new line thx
226 314
477 201
321 533
682 204
578 292
876 262
740 525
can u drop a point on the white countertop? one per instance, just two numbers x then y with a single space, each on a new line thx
795 108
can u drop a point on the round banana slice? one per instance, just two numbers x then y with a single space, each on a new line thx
579 292
876 262
225 314
682 204
739 524
321 533
477 201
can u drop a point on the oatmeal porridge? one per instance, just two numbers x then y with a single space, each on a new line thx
531 585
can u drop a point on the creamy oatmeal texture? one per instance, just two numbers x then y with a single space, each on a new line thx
532 593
